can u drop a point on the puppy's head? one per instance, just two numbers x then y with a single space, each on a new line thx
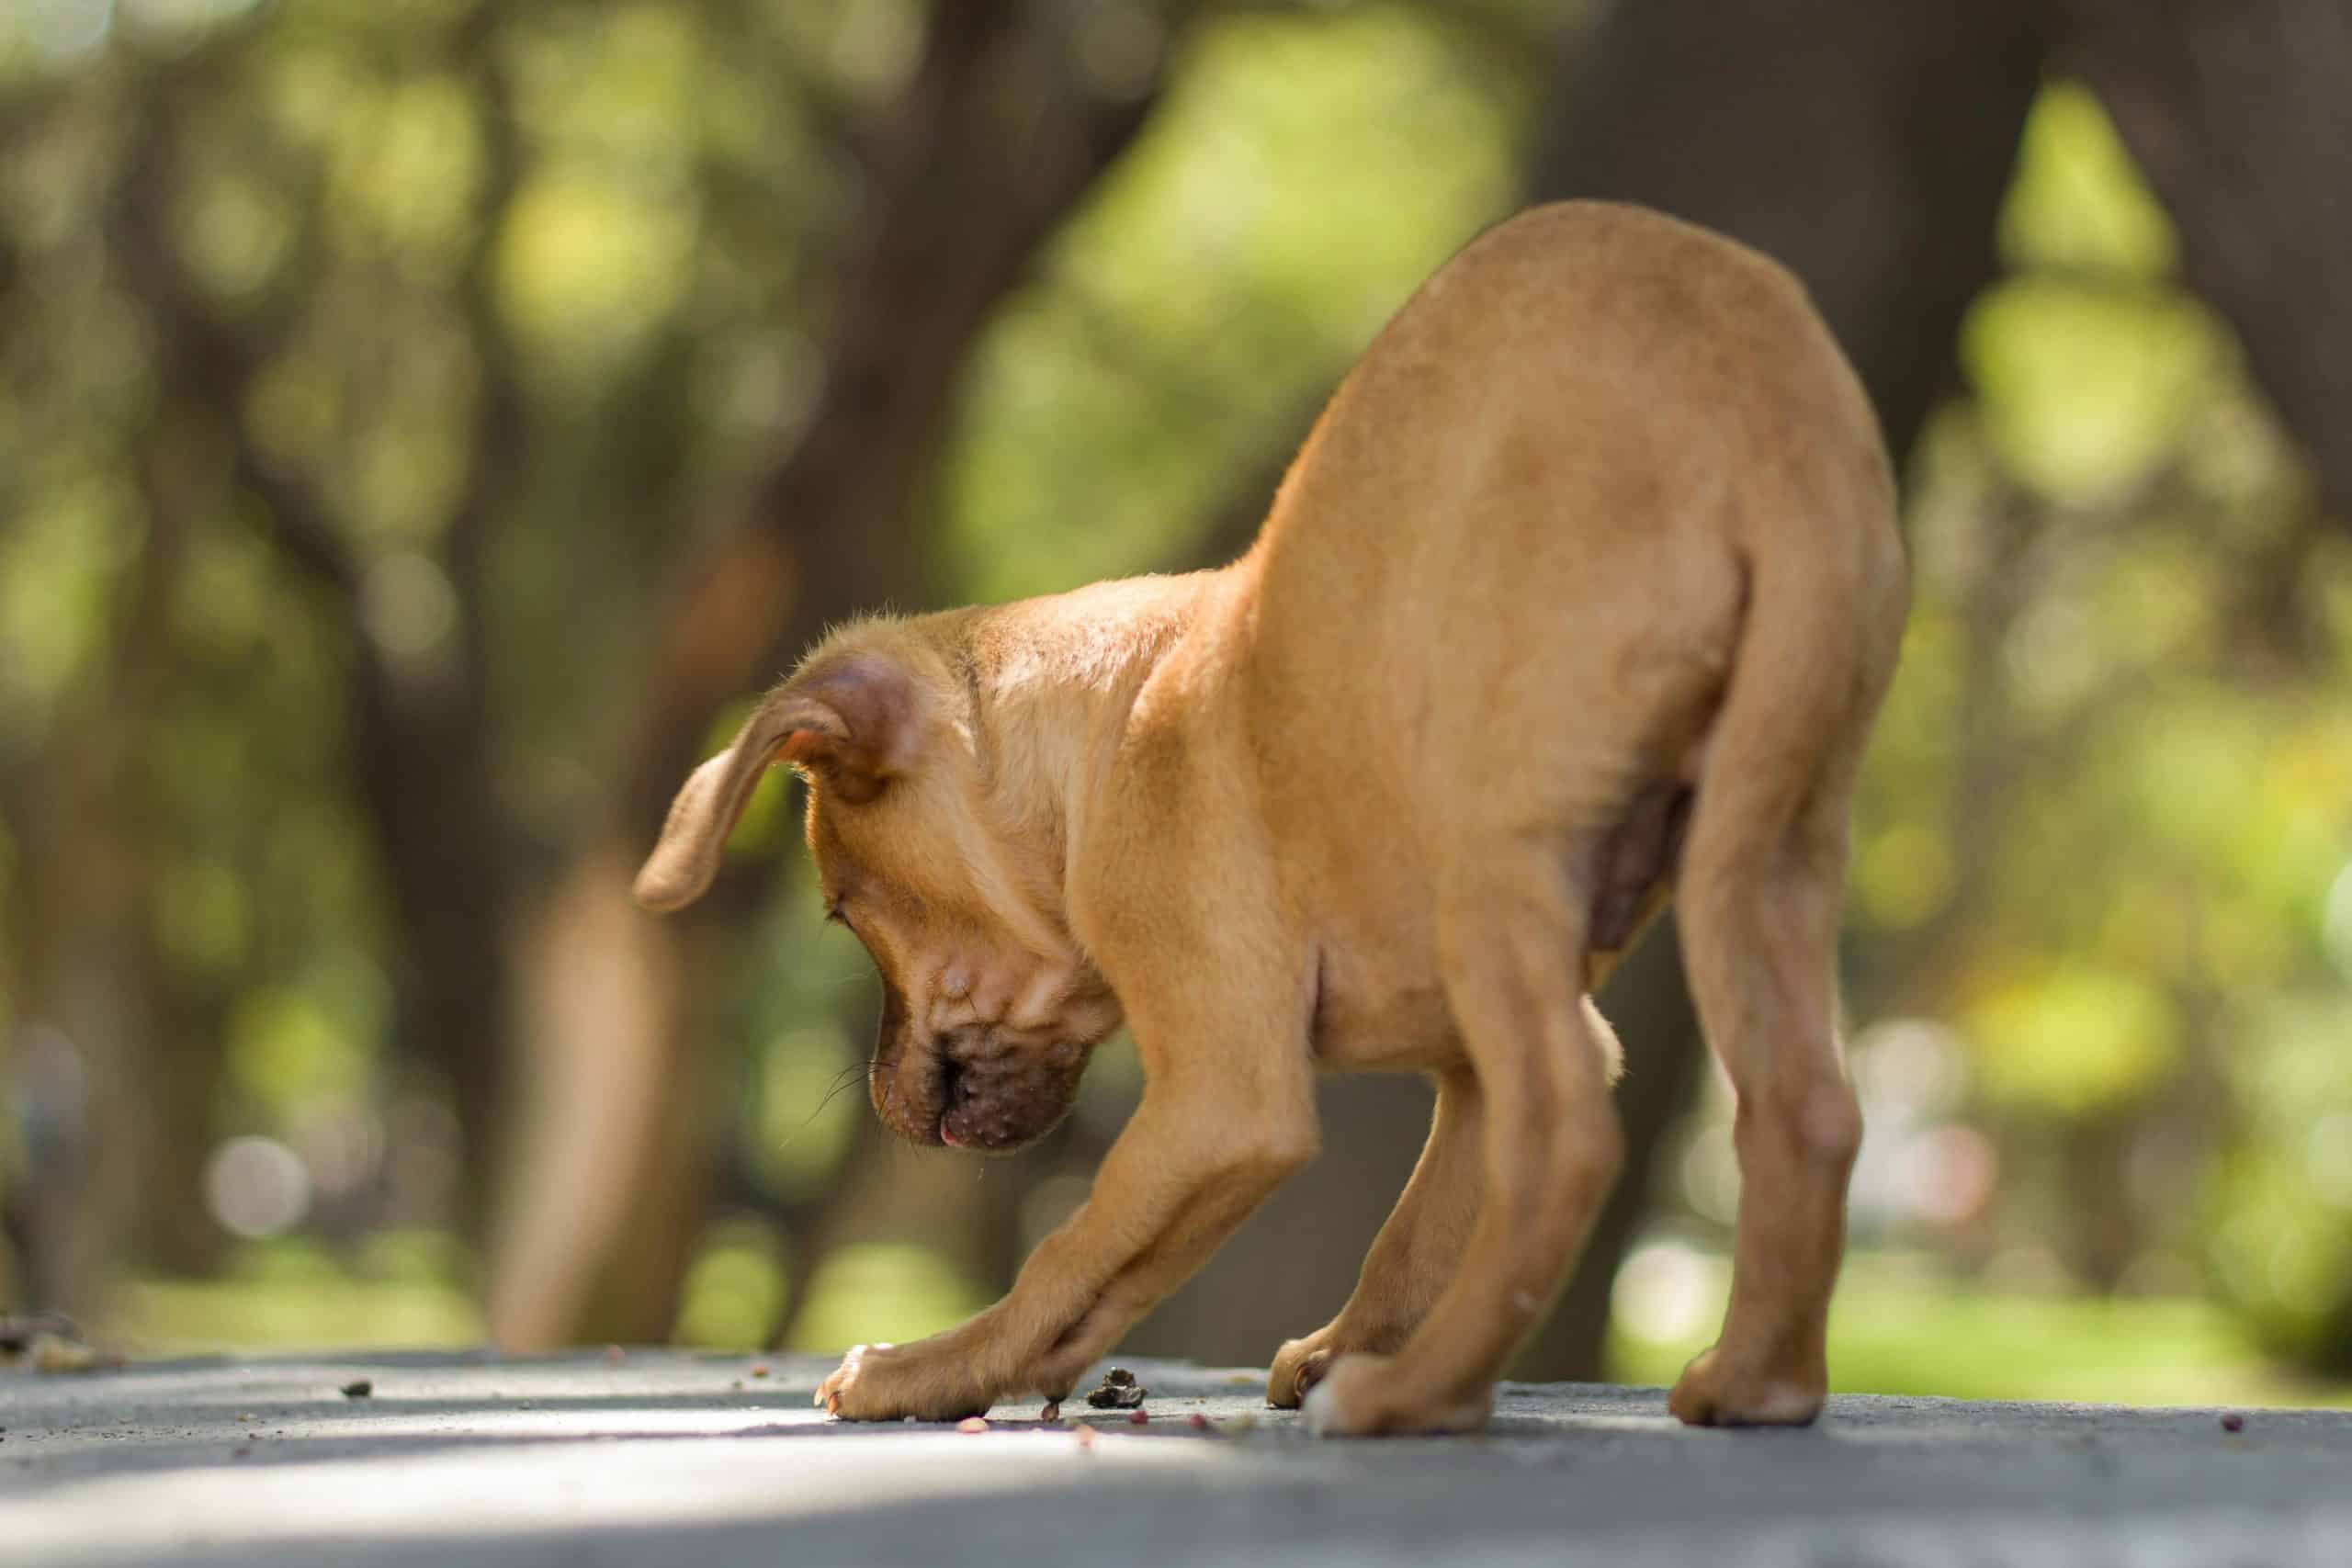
990 1011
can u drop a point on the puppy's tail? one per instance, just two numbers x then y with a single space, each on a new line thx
1816 648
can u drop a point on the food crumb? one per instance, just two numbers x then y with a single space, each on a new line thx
359 1388
1197 1421
759 1369
2233 1422
1137 1417
971 1424
1119 1391
614 1355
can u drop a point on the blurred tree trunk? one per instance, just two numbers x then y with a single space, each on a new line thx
1868 150
1291 1265
177 1231
2240 114
94 1037
420 737
998 134
1866 147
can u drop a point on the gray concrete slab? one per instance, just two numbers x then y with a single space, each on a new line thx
663 1458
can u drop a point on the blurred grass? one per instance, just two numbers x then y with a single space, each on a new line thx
190 1317
403 1290
1893 1330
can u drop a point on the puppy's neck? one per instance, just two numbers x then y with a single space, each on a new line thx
1053 683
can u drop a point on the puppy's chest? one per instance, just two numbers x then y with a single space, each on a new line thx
1385 1015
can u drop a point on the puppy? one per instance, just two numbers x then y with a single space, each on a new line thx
1585 587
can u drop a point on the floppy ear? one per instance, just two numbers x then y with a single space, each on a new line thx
850 725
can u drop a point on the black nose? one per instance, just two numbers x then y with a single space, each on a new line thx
951 1077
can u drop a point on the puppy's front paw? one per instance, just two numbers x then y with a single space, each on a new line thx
1298 1365
888 1382
1369 1397
1712 1391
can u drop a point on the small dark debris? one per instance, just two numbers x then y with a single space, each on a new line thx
359 1388
1119 1391
1052 1412
2233 1422
17 1334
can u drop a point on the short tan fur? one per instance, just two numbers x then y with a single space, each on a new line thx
1583 592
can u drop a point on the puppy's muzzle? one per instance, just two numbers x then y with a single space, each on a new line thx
972 1088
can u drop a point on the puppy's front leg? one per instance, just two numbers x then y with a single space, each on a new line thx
1208 1143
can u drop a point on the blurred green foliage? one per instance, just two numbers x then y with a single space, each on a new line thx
1304 177
1899 1328
398 1291
2105 827
2112 799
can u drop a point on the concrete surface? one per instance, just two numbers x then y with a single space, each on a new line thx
660 1458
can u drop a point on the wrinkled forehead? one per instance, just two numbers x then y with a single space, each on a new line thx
893 852
839 867
851 846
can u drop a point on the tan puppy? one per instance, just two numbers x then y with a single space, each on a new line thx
1586 585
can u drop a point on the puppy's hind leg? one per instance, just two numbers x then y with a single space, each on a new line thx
1761 884
1759 937
1417 1251
1413 1256
1512 916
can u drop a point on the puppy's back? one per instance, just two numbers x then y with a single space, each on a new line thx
1529 517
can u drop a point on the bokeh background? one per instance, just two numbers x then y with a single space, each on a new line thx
425 424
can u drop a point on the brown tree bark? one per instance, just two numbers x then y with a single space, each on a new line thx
94 1040
2239 113
420 739
999 132
1867 147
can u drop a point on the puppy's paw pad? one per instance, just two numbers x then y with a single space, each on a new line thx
1710 1394
1321 1409
1368 1396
